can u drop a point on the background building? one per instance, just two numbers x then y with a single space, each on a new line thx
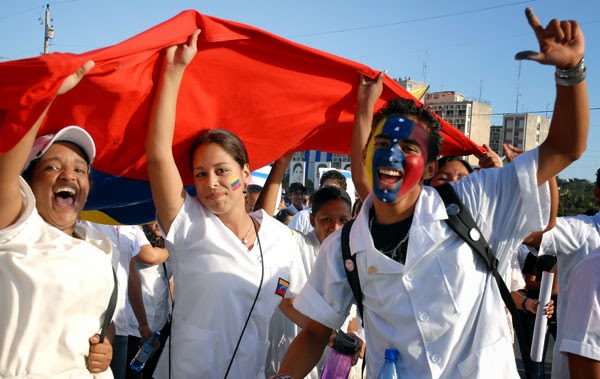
524 130
472 118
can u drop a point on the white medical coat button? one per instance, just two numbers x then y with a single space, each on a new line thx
372 270
424 316
474 234
436 358
410 276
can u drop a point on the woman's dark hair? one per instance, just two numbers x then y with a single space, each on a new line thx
298 164
327 194
283 214
453 158
28 173
231 143
356 207
407 107
154 240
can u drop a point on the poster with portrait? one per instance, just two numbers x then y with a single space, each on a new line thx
320 168
296 172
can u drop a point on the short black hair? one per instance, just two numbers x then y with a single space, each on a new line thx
598 178
254 188
408 107
334 175
327 194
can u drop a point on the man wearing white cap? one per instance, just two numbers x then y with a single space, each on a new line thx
55 279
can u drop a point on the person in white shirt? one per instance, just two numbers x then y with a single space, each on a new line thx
55 276
301 220
580 339
428 296
128 242
231 269
571 240
297 192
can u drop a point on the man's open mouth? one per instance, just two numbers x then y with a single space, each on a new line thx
388 177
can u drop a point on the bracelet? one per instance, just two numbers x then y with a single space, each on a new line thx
141 326
571 76
523 307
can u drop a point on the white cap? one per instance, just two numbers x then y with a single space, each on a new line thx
73 134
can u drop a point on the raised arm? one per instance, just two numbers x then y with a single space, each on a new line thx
12 162
369 92
267 199
167 187
562 45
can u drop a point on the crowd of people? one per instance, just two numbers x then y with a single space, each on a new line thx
241 285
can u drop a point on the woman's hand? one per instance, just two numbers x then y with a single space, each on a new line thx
181 55
73 79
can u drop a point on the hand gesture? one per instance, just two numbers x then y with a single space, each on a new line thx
72 80
561 42
489 159
511 151
100 355
182 55
369 90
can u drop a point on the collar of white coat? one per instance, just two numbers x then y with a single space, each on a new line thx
429 209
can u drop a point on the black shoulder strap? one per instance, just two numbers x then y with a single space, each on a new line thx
461 221
110 310
353 279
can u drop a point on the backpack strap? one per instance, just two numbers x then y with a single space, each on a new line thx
110 310
353 279
461 221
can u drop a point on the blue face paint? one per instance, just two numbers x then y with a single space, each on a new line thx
387 164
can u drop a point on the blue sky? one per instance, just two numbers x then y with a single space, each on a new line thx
464 46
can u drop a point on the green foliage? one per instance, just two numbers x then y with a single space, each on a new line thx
576 196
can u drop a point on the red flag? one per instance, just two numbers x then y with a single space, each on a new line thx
275 94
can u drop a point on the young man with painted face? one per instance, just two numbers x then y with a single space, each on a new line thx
429 296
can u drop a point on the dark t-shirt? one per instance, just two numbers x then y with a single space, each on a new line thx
387 237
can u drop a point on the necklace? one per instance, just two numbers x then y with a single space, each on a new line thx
245 238
393 252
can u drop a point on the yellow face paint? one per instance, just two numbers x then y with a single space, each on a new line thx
371 149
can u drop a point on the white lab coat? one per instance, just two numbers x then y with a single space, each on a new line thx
442 309
216 282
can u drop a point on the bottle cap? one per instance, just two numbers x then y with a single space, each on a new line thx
391 354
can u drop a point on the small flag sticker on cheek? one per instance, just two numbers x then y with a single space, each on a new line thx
282 287
235 183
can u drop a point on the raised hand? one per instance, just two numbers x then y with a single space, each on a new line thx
511 151
73 79
182 55
369 90
489 159
561 42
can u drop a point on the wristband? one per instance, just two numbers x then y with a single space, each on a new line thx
141 326
571 76
523 304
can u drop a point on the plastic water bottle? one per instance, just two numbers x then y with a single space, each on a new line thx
339 361
388 371
144 353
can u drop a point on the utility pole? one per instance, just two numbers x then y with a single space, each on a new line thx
516 106
48 30
425 68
